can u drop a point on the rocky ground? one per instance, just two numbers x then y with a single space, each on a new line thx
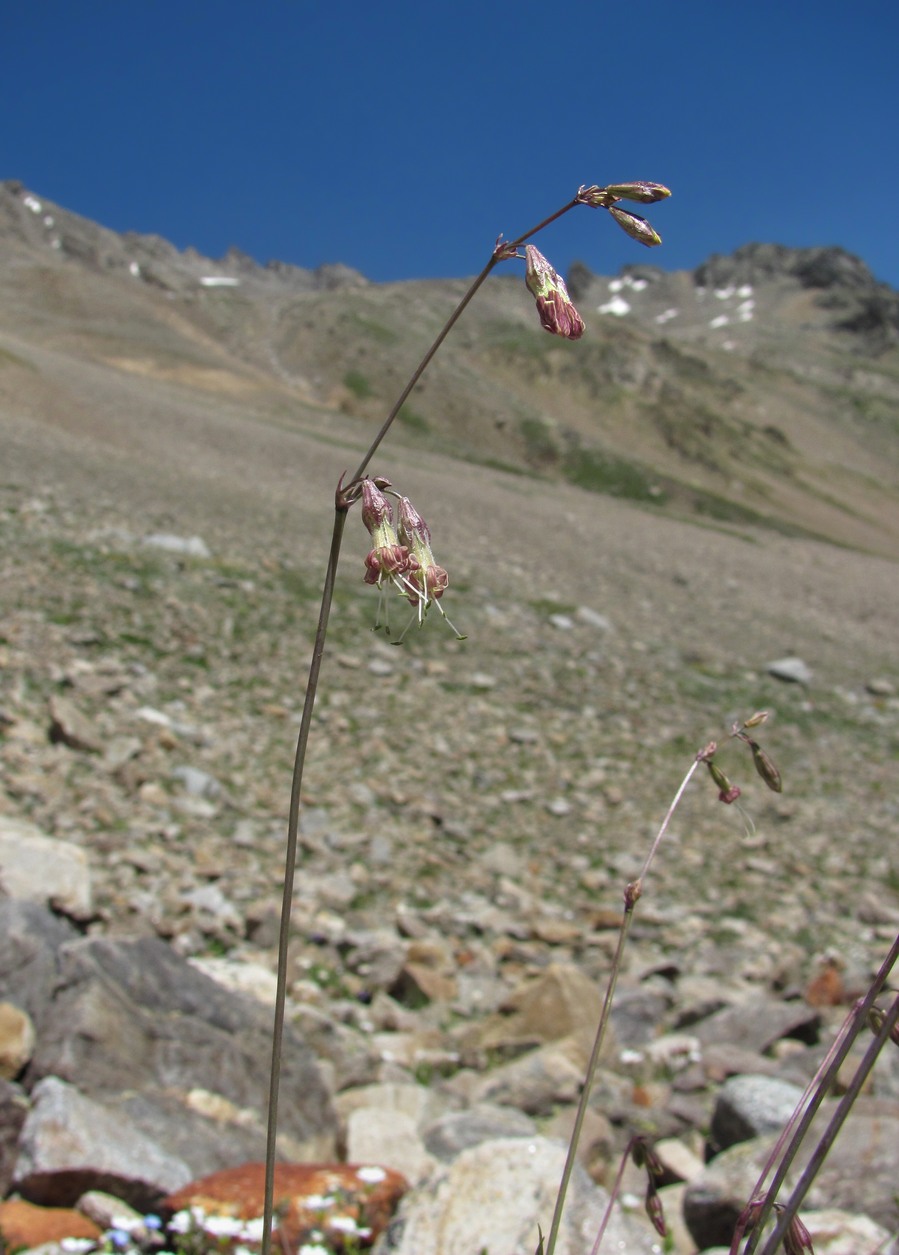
471 810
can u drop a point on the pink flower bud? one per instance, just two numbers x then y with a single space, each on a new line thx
654 1210
555 307
797 1239
410 523
642 193
717 774
430 580
635 226
876 1021
604 197
376 511
766 768
727 792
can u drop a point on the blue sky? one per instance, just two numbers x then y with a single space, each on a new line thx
401 138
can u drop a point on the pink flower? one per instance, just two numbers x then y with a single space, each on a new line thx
430 580
388 559
555 307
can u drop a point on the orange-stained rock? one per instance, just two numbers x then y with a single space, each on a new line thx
826 988
24 1224
339 1200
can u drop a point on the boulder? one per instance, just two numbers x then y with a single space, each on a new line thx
858 1175
23 1226
336 1200
492 1198
748 1106
70 1144
16 1040
170 1052
38 868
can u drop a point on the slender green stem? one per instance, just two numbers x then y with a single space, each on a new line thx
343 504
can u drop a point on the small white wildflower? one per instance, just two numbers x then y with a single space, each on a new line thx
224 1226
188 1220
317 1202
343 1224
253 1229
128 1224
371 1175
306 1249
75 1246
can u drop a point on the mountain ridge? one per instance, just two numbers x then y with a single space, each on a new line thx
760 389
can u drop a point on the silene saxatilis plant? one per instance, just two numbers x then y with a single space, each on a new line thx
411 584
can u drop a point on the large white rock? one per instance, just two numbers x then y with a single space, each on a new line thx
492 1198
38 868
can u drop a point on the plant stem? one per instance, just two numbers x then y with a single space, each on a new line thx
444 332
604 1017
824 1085
613 1194
838 1049
632 894
828 1137
318 650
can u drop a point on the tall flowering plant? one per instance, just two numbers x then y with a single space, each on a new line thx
400 561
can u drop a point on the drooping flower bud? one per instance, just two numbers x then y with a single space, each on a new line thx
876 1021
376 511
642 193
655 1211
727 792
756 720
643 1155
797 1240
387 559
555 307
765 767
635 226
430 580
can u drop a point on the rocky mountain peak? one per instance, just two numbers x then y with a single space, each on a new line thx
30 222
768 279
764 263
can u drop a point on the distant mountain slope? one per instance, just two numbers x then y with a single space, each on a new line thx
761 388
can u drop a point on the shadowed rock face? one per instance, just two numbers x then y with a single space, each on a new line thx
133 1029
